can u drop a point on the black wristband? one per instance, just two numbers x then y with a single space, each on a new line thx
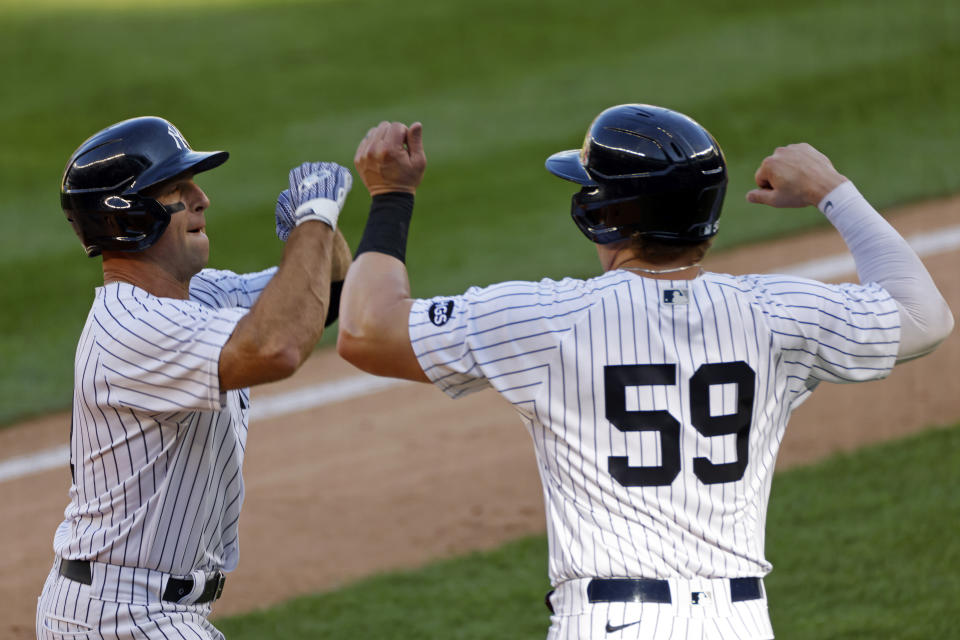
333 309
387 225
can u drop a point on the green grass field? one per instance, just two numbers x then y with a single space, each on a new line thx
499 85
864 545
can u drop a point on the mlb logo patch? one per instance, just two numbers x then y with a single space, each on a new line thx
674 296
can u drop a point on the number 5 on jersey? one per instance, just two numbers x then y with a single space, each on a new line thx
617 378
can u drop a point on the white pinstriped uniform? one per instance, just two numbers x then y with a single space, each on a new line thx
686 369
158 451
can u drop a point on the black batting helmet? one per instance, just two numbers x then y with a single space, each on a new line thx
668 167
103 183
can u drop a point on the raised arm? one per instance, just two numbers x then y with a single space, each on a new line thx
276 337
375 305
797 176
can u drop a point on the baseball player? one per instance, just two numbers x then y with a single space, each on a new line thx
657 393
161 399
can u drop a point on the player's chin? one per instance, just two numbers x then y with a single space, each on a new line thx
199 240
199 252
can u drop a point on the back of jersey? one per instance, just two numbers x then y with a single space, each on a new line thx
664 408
657 407
658 457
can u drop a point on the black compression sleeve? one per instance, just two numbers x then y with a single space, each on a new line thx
387 225
333 310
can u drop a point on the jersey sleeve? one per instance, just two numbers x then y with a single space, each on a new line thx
221 289
833 333
159 355
438 332
499 336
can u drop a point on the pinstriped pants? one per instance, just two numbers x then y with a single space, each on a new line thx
68 610
701 609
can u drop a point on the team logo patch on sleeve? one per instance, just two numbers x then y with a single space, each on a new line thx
440 312
674 296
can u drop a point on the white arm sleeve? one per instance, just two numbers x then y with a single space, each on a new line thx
884 257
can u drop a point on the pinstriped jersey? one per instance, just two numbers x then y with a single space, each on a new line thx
156 447
656 407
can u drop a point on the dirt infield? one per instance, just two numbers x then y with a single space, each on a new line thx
397 478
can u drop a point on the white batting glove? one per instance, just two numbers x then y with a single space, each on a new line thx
317 192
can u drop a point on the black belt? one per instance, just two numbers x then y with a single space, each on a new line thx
80 571
649 590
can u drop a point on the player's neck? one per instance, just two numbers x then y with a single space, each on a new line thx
661 272
145 274
684 268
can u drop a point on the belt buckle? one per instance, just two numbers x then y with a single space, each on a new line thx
221 579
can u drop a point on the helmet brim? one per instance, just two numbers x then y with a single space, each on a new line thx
566 165
193 161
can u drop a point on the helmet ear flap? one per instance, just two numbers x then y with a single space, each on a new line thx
144 223
587 210
581 219
120 223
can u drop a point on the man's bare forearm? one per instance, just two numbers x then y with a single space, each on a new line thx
374 314
280 331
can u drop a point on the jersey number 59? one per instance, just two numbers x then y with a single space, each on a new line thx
617 378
